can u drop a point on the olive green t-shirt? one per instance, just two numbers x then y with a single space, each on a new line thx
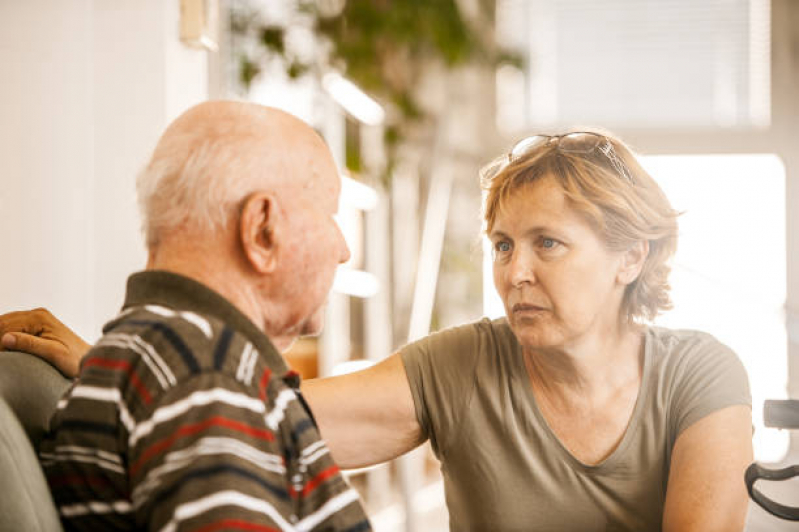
504 469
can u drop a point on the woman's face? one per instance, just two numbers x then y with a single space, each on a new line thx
558 281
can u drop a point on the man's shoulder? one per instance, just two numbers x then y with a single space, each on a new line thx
162 347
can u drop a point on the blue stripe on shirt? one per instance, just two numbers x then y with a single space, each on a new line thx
210 471
173 338
220 352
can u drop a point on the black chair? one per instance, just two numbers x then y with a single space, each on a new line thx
783 415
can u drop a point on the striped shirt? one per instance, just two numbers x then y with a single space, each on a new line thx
185 417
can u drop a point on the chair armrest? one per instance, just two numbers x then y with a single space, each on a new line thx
31 388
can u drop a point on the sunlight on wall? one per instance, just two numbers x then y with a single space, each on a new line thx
729 274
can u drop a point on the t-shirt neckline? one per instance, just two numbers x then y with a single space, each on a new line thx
618 453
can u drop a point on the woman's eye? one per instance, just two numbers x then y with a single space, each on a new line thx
501 248
549 243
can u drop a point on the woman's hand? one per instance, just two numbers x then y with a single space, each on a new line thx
40 333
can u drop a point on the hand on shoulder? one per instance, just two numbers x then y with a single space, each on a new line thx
40 333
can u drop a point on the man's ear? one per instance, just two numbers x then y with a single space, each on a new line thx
257 231
632 262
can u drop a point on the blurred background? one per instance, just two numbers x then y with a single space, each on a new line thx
413 97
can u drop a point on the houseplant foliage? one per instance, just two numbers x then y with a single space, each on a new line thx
384 46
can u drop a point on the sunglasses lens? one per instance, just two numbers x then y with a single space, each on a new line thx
580 142
525 145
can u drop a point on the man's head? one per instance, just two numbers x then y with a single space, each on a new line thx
242 197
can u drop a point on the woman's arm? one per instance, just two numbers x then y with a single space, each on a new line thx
706 490
366 417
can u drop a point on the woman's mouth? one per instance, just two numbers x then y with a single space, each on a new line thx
526 308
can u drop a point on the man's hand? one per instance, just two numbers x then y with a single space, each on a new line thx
38 332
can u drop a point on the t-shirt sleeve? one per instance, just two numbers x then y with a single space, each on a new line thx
707 376
441 374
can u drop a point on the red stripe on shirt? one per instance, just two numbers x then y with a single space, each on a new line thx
190 430
236 524
316 481
264 381
125 366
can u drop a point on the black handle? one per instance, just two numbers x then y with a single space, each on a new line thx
757 472
781 414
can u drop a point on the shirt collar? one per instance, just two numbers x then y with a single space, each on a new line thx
176 291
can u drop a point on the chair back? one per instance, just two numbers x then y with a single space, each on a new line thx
29 391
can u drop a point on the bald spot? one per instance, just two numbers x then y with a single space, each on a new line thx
286 151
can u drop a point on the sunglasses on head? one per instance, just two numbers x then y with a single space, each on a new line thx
578 142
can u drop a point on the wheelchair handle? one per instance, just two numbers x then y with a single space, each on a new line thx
781 414
757 472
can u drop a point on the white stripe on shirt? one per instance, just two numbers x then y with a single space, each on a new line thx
312 448
254 354
145 351
104 395
275 416
95 507
199 398
306 461
194 508
47 459
241 371
91 451
327 509
204 447
195 319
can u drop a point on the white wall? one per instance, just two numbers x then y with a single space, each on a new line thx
86 87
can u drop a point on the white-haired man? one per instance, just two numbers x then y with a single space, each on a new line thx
184 415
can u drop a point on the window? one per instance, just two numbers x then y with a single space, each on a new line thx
729 275
635 63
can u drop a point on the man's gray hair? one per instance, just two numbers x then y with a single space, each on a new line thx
196 178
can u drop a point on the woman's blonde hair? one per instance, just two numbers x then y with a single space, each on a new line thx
604 181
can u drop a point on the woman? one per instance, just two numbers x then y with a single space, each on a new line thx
570 413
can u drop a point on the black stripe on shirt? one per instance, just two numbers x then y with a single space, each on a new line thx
211 471
359 527
88 426
173 338
220 352
301 427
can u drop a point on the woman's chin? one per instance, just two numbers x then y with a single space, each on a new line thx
535 336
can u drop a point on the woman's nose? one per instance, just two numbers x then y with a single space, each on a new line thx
521 268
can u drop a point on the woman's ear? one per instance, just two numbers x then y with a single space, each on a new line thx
632 262
257 231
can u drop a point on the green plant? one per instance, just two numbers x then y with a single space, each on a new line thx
381 45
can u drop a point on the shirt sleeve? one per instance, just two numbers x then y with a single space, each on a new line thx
206 458
325 500
708 376
441 373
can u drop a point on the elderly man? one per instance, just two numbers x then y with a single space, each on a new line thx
184 414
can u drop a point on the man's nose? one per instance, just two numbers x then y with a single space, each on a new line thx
345 249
